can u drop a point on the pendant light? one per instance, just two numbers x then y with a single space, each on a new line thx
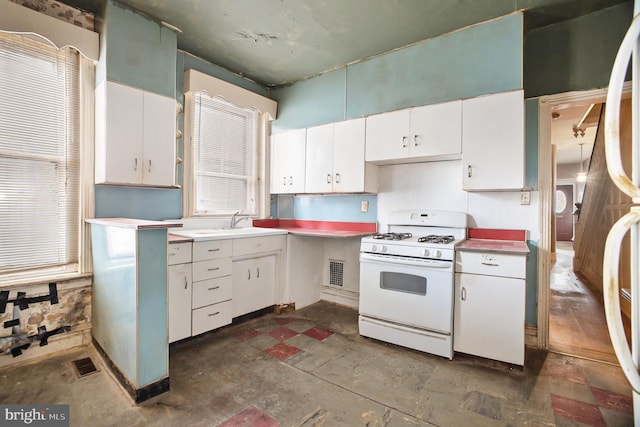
582 175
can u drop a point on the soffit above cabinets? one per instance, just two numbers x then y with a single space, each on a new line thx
277 42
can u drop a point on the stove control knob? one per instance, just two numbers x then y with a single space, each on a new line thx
384 249
425 252
437 254
374 248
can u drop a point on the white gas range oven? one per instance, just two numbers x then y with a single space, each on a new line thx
407 280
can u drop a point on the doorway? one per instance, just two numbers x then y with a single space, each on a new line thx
571 315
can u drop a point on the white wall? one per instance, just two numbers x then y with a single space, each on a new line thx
438 185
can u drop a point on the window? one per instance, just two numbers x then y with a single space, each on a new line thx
224 144
39 158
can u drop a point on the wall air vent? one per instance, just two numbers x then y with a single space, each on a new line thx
336 272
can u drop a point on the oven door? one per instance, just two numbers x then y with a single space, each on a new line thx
416 293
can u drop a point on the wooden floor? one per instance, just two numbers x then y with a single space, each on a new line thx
577 324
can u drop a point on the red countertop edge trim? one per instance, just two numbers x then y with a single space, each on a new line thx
317 225
497 234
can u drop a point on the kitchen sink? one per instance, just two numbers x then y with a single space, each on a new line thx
226 233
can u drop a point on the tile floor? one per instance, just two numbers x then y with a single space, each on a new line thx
311 368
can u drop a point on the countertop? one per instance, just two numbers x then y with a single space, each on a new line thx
138 224
495 240
320 228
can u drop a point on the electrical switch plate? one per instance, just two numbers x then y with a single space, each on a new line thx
364 206
525 197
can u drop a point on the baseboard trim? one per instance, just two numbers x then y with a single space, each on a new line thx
340 296
531 336
137 394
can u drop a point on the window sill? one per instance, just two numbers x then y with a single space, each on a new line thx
71 280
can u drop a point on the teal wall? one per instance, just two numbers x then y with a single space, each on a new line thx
482 59
531 292
574 55
531 144
326 208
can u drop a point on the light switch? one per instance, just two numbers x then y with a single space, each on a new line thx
364 206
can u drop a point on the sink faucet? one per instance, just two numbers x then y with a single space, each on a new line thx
235 219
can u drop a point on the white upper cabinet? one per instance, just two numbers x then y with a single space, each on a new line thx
493 142
431 132
135 137
335 159
288 161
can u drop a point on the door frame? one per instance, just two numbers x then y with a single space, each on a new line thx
547 191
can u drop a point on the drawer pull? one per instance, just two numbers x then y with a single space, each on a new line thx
214 250
213 269
213 314
258 275
463 294
172 253
185 282
249 273
214 288
491 264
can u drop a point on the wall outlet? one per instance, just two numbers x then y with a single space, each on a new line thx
525 197
364 206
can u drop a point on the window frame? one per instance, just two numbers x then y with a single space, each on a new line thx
85 198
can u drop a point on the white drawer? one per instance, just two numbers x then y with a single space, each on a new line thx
253 245
211 249
211 269
210 317
179 253
211 291
492 264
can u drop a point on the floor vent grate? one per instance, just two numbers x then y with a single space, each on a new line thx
84 367
336 273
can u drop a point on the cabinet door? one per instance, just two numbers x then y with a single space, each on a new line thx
493 142
436 130
253 284
122 151
159 140
489 317
179 302
348 156
288 162
387 136
319 159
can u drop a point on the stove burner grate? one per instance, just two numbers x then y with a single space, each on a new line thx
434 238
392 236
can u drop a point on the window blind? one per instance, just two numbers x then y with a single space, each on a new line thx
224 156
39 157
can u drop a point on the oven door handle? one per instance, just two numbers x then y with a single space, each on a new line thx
389 259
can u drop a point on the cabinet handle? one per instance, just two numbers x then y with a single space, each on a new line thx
290 180
328 178
463 294
469 170
258 275
213 314
404 141
149 166
135 163
214 288
491 264
185 282
213 269
337 178
214 250
249 273
416 140
284 180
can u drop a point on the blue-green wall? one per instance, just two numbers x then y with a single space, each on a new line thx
482 59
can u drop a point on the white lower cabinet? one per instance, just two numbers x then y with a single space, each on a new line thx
489 309
179 291
253 284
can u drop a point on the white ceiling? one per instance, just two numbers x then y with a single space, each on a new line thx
562 135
